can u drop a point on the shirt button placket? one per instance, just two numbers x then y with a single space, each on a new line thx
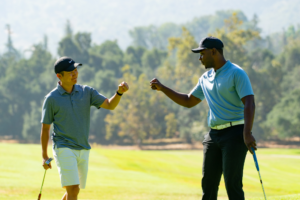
72 103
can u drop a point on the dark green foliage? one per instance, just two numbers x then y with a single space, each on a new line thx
22 88
283 120
111 56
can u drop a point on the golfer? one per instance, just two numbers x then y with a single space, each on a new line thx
229 95
68 107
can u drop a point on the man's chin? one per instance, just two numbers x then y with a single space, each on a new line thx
208 67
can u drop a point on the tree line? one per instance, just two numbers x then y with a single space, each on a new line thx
164 52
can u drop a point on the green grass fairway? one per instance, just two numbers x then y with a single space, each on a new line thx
144 175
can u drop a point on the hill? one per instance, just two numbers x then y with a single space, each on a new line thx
31 19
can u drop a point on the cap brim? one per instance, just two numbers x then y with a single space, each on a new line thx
197 50
72 67
77 64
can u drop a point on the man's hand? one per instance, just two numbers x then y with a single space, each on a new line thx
45 165
123 87
156 85
249 141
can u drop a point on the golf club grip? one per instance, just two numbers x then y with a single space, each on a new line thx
39 197
255 159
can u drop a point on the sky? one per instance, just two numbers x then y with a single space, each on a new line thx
30 20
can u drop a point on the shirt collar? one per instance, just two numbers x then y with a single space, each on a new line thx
76 88
63 91
223 67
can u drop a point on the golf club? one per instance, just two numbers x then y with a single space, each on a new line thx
47 163
257 167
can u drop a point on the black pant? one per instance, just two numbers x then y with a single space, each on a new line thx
224 152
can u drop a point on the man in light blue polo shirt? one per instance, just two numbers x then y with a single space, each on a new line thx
228 92
67 107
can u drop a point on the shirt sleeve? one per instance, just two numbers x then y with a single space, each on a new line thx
243 84
47 111
97 99
197 91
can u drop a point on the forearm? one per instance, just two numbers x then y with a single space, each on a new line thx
179 98
249 112
44 142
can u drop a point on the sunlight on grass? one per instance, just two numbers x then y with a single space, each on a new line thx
145 175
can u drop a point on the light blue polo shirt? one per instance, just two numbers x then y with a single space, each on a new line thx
223 91
70 115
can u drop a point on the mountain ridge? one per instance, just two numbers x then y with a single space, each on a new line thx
31 20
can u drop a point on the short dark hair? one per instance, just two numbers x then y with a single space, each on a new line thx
220 51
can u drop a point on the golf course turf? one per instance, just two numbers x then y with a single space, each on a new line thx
145 175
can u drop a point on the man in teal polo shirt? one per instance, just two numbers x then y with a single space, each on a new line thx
67 107
228 92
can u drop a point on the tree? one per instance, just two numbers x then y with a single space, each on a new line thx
68 29
181 71
75 46
152 60
111 55
133 58
171 124
186 70
22 89
235 39
157 36
67 47
283 120
11 52
139 115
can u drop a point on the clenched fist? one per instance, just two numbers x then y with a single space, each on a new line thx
155 84
123 87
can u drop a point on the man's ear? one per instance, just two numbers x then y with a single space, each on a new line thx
58 76
214 51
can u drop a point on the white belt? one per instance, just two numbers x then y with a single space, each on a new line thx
219 127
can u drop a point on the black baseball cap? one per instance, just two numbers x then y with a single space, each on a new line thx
65 64
209 43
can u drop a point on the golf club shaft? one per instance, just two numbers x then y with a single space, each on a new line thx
262 186
257 168
39 197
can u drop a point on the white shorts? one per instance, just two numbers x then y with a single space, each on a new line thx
72 166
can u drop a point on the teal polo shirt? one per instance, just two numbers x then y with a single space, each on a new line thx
223 91
70 115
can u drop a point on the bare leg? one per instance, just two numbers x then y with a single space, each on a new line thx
72 192
64 197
